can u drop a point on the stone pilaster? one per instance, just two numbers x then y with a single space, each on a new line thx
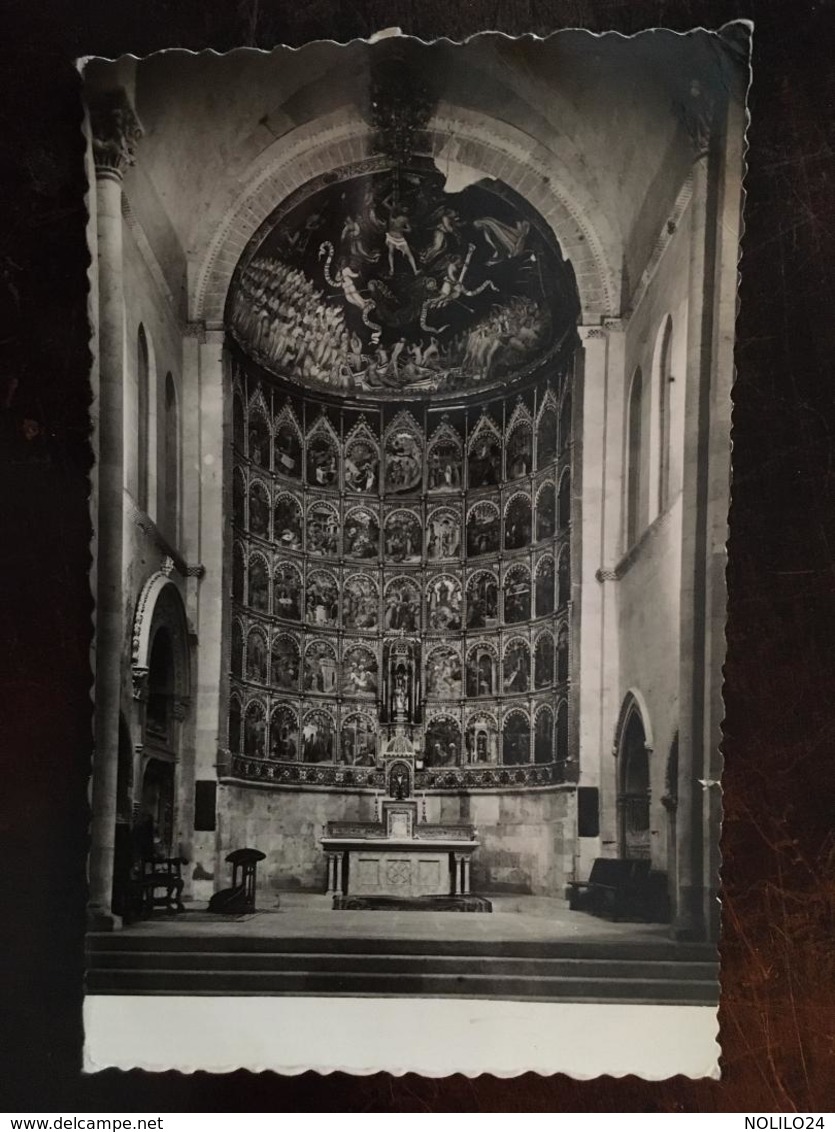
688 891
601 369
115 131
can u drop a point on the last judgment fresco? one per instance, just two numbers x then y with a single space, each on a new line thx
384 284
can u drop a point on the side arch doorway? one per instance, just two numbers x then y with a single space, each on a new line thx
633 784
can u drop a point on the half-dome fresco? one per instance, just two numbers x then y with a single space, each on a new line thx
384 284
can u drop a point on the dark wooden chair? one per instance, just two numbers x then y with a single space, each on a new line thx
160 885
615 888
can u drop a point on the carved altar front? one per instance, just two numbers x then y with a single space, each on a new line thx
398 854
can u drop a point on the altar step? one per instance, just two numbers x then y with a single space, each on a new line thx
569 972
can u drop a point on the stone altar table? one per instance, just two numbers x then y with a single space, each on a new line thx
398 856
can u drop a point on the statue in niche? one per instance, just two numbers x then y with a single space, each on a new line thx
401 693
401 680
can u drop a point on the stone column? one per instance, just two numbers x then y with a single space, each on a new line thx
115 131
204 348
466 864
689 888
330 870
595 555
727 222
338 865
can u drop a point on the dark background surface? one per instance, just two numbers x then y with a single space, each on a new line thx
778 1005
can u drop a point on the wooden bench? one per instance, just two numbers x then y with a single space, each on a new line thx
615 887
160 884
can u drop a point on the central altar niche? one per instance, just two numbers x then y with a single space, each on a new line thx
402 703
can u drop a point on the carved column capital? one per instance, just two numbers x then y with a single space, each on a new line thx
592 333
139 678
603 575
116 130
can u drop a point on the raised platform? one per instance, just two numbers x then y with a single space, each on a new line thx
412 904
527 948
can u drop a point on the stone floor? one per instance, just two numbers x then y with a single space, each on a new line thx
304 915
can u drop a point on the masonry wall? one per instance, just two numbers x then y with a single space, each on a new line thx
526 837
649 585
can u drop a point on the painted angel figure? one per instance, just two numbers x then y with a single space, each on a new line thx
506 240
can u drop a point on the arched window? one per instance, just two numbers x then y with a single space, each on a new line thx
143 405
634 459
158 714
171 463
664 381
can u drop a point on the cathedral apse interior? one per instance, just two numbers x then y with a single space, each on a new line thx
414 391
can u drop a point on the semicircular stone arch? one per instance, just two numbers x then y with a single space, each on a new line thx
464 147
